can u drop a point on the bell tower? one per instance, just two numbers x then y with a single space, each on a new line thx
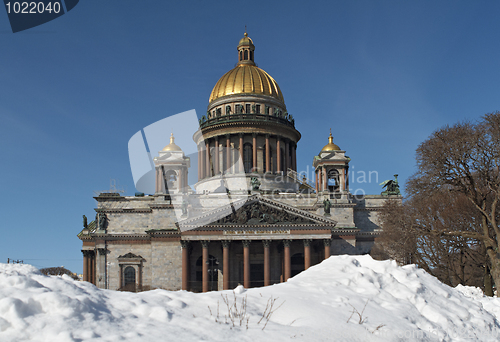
171 168
332 171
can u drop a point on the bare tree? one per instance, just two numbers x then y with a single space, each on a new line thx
398 238
464 159
412 233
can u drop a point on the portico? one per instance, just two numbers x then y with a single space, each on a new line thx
267 243
246 261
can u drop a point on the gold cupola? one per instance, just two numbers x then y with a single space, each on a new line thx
330 146
246 77
172 146
245 50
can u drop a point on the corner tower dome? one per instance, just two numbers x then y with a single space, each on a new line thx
330 147
172 146
246 77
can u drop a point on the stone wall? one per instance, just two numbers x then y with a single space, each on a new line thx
166 265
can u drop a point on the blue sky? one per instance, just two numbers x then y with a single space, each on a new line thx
383 75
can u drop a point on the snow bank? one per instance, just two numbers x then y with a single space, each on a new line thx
345 298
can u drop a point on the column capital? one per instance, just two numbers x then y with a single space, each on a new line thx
287 243
266 243
240 135
307 242
228 136
254 134
246 243
204 243
225 243
87 253
327 242
184 243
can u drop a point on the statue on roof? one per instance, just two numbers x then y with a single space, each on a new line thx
85 221
100 219
392 186
254 181
184 208
327 204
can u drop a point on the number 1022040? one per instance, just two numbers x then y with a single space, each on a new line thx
33 7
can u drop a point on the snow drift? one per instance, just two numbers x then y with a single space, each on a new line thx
345 298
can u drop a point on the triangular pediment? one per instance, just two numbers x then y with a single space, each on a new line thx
130 255
256 211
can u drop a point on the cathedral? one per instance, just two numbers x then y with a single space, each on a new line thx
250 218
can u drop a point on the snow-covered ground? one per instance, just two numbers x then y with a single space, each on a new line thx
345 298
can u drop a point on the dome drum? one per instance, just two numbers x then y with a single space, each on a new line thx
248 101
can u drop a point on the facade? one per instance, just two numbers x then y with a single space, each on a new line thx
251 219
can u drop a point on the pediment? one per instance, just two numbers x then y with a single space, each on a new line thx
130 256
257 211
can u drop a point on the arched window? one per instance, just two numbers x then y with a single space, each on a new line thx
129 276
246 55
248 157
241 55
333 180
171 176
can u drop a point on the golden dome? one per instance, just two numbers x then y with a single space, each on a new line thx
172 146
246 77
330 146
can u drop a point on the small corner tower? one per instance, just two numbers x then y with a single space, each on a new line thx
332 170
171 168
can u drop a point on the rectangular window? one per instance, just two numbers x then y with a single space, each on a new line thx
257 109
247 108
